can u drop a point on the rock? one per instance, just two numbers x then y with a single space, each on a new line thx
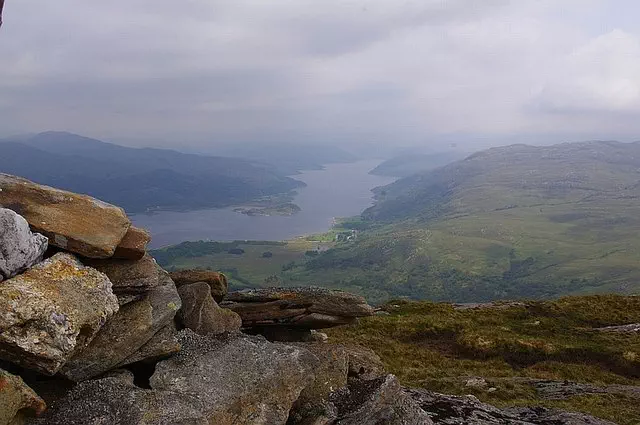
380 401
163 344
19 248
542 416
476 382
17 400
128 298
134 244
201 313
307 308
134 325
76 223
313 405
217 281
239 379
630 328
131 276
53 311
364 363
115 400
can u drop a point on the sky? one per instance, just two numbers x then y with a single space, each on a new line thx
429 73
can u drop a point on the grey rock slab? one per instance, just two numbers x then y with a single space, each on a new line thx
19 247
201 313
216 281
163 344
131 276
52 311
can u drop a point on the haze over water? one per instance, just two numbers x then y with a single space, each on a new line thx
340 190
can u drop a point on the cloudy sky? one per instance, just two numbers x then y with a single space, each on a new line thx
385 71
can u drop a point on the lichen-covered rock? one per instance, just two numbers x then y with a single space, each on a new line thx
130 276
17 400
216 281
19 247
238 378
543 416
364 363
201 313
52 311
76 223
134 325
163 344
134 244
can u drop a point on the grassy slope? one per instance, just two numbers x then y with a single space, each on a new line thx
438 347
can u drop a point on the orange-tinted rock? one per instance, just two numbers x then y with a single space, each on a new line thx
17 399
134 244
76 223
216 281
130 276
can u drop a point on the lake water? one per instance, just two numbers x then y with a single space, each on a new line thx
339 190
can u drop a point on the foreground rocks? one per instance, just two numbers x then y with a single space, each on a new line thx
216 281
201 313
19 248
76 223
133 245
17 400
52 311
131 276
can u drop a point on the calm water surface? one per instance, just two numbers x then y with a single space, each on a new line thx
340 190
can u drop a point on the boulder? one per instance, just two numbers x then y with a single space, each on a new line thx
19 248
217 281
364 363
134 244
201 313
163 344
307 308
543 416
134 325
380 401
17 400
239 379
52 311
131 276
76 223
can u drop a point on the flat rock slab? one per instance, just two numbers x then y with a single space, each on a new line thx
52 311
238 378
201 313
216 281
134 244
130 276
17 400
76 223
163 344
122 336
19 247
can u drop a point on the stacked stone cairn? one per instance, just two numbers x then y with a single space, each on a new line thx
93 331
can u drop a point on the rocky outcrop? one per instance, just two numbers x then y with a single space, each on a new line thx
19 248
201 313
17 400
133 245
306 308
364 363
53 311
162 345
238 379
131 276
76 223
216 281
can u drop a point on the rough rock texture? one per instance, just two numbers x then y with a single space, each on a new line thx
131 276
115 400
217 281
201 313
19 248
163 344
630 328
76 223
542 416
17 400
134 244
330 371
379 401
52 311
309 308
364 363
239 379
134 325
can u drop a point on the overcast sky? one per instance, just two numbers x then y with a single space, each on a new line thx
385 71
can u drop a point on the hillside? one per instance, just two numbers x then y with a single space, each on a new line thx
409 164
139 179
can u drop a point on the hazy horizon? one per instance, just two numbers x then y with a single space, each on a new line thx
199 74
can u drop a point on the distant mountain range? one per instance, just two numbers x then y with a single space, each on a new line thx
412 163
139 179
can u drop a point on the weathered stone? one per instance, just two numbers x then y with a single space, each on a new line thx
134 244
76 223
542 416
134 325
217 281
130 276
238 378
380 401
163 344
115 400
53 311
364 363
19 248
308 308
201 313
17 400
129 298
313 405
